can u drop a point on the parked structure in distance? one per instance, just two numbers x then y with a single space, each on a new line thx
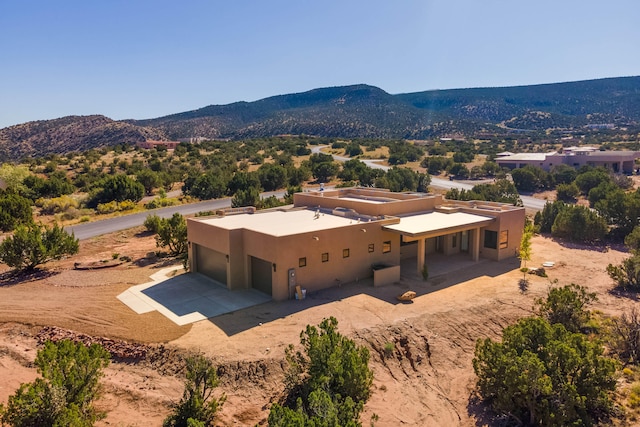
617 161
153 144
340 236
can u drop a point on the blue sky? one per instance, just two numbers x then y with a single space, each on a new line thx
147 58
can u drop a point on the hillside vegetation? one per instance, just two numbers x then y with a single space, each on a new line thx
358 111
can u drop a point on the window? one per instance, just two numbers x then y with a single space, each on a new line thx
325 257
372 247
302 262
490 239
386 247
454 240
504 239
345 253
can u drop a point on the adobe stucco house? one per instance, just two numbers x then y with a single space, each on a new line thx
617 161
336 236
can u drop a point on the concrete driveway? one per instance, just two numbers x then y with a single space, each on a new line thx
188 298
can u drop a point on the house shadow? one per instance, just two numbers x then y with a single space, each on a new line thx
13 278
459 270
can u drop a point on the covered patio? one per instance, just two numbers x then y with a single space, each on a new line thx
443 233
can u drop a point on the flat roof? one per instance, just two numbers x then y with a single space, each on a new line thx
433 222
526 156
281 223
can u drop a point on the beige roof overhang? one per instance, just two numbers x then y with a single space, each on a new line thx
437 223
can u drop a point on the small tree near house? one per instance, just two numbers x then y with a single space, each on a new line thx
524 252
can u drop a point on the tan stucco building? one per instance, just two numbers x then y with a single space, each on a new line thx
336 236
616 161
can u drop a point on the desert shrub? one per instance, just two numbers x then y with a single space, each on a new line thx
544 219
328 383
197 407
152 223
567 305
113 206
15 210
126 205
632 240
626 275
579 223
32 245
65 394
160 202
542 374
567 192
172 234
116 188
56 205
107 208
70 213
626 337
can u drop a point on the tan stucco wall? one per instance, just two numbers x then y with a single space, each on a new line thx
405 203
285 252
318 275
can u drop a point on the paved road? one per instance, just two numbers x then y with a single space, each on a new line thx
91 229
527 201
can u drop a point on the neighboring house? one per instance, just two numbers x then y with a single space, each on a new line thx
153 144
337 236
617 161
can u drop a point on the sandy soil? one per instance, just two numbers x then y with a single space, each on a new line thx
427 380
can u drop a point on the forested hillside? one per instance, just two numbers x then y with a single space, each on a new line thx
358 111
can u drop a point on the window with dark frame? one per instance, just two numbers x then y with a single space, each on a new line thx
325 257
372 247
345 253
490 239
386 247
454 240
302 262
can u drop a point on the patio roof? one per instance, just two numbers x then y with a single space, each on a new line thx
437 223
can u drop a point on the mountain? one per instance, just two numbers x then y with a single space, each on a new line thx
367 111
66 134
351 111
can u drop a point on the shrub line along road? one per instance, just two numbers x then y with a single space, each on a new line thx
97 228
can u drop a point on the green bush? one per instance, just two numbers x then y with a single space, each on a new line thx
626 275
580 224
160 202
197 407
33 245
542 374
328 383
15 210
64 395
152 223
567 305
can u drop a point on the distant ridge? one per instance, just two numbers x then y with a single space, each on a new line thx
350 111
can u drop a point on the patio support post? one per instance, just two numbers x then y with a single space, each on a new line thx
475 244
421 255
